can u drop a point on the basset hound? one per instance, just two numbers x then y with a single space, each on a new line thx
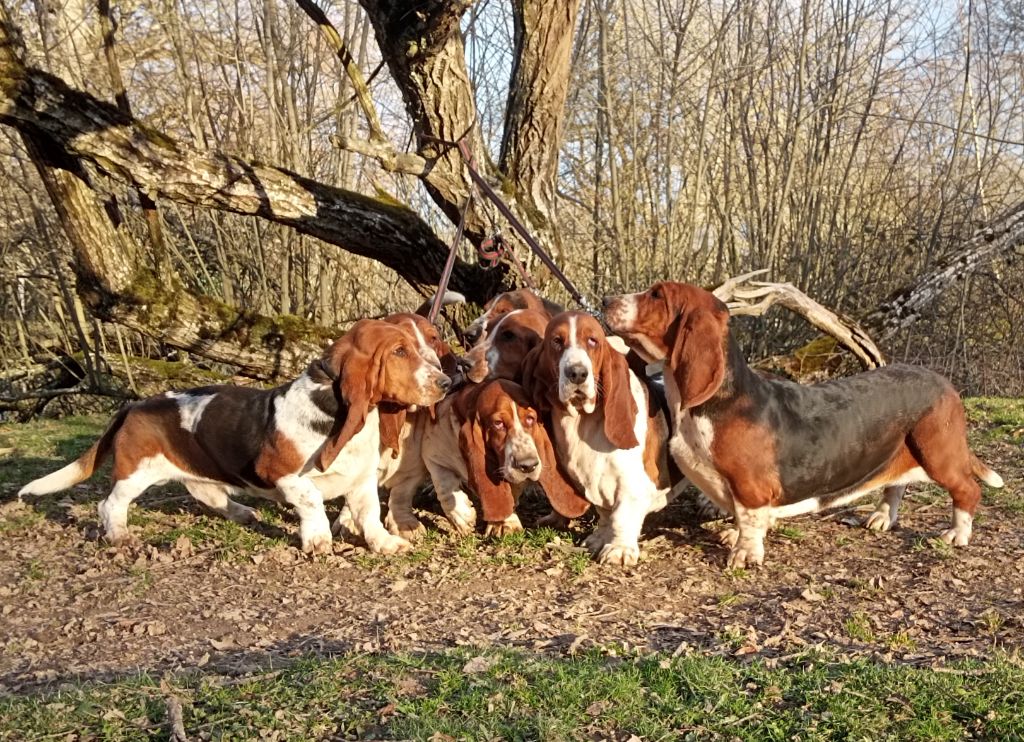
766 448
505 303
402 471
609 437
312 439
489 437
502 351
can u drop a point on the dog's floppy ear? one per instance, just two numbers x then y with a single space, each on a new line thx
539 380
697 360
560 490
392 420
357 389
494 492
617 401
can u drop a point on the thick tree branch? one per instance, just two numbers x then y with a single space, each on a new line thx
1003 235
70 124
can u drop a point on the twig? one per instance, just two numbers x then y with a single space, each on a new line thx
175 718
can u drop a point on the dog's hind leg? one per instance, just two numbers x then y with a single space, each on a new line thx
215 497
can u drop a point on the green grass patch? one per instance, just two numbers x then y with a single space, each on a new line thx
512 695
995 419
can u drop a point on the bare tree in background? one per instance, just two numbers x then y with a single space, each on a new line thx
852 149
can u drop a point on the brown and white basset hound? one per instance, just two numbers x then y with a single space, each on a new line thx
608 435
402 472
502 351
503 304
488 436
765 448
312 439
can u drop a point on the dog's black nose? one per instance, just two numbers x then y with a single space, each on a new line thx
472 334
577 373
526 465
444 383
606 301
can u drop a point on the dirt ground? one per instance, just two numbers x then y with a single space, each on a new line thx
207 594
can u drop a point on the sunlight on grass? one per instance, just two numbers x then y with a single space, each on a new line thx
469 694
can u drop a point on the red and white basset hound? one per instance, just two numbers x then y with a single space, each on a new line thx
609 437
503 304
489 437
766 448
502 351
401 471
312 439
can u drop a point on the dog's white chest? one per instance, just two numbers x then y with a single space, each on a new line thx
690 446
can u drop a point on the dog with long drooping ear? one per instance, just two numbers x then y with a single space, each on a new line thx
765 448
490 438
314 438
402 471
609 438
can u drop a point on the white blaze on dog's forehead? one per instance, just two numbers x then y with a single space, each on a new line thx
426 350
190 408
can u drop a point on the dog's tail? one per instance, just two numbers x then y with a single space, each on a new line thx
984 473
81 468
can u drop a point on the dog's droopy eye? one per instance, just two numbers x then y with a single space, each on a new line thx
498 425
401 352
656 293
591 342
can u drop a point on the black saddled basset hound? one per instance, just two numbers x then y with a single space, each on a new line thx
765 448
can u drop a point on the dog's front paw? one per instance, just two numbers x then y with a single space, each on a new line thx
317 543
956 536
878 521
620 555
728 537
511 524
405 526
385 543
463 518
746 554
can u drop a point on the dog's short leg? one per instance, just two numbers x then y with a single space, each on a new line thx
401 521
455 503
314 528
888 509
364 505
114 510
625 523
751 525
215 497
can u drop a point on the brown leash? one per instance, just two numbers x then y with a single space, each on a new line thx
446 274
517 225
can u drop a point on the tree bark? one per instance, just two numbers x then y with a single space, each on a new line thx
424 51
536 102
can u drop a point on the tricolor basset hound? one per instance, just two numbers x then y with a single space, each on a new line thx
765 448
489 437
505 303
609 437
310 440
502 351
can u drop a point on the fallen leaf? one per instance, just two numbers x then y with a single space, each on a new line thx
477 665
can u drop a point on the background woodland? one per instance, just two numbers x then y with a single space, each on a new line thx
201 188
